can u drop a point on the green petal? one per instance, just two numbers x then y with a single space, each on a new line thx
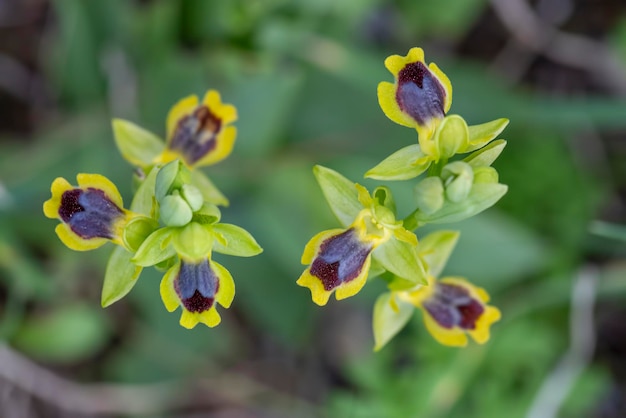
235 241
387 321
404 164
484 157
401 259
138 146
481 197
452 136
209 191
435 249
340 193
481 135
120 277
155 248
384 197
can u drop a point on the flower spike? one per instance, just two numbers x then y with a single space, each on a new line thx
453 307
90 214
421 95
197 286
200 133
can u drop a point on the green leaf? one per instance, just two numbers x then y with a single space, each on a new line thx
435 249
137 145
238 241
390 316
155 248
340 193
120 277
209 191
481 197
484 157
481 135
401 259
404 164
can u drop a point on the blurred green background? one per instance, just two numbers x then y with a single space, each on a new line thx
303 76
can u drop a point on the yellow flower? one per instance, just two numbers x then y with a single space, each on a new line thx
452 308
90 214
339 259
199 133
197 286
421 95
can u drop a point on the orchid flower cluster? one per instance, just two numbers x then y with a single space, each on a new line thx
454 180
173 222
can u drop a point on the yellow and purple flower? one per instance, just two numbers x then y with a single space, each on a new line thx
340 259
200 133
197 286
452 308
91 214
421 95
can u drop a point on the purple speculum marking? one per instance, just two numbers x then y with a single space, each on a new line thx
195 135
197 285
453 306
340 259
419 93
89 213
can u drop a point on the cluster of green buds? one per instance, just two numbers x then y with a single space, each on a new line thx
173 222
454 180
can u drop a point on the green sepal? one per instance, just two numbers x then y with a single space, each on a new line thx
207 215
481 197
481 135
384 197
155 248
404 164
340 193
401 259
120 276
137 145
485 156
175 211
452 136
209 191
137 230
234 240
435 249
390 316
193 241
429 195
144 201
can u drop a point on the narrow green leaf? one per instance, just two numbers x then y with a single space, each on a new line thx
404 164
340 193
137 145
238 241
120 276
387 321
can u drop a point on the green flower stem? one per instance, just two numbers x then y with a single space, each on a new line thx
410 222
435 168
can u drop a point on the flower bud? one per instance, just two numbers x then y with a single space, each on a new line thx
458 178
175 211
485 175
430 195
193 196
